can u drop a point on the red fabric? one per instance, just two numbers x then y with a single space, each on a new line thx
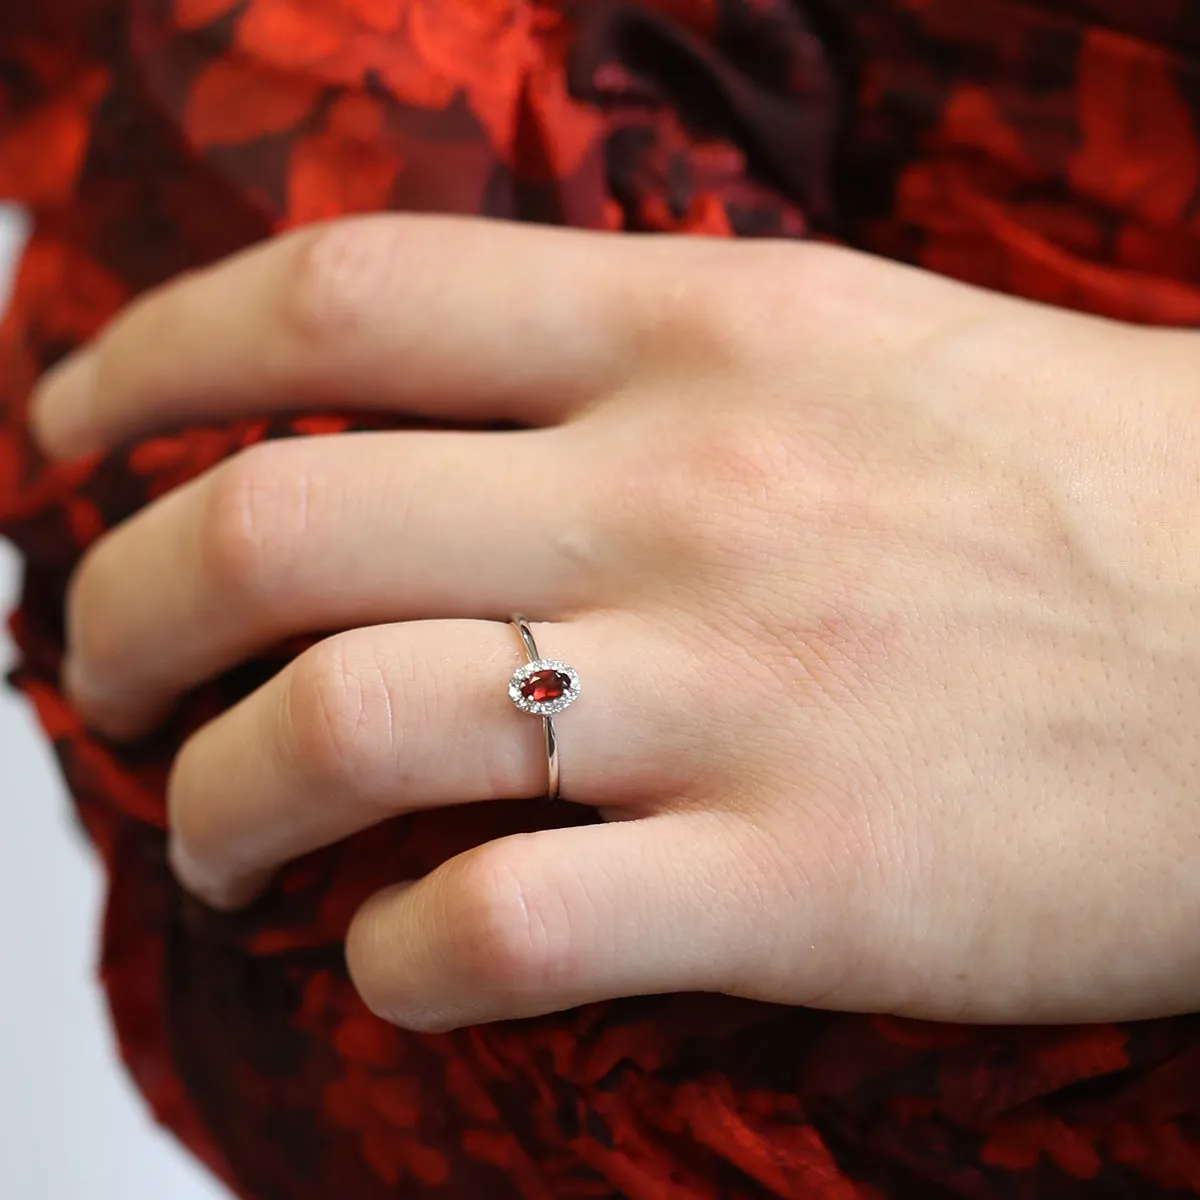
1045 149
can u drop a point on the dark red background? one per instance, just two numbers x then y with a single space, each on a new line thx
1045 149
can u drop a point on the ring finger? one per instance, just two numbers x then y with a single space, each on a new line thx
375 722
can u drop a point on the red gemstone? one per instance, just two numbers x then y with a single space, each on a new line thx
543 686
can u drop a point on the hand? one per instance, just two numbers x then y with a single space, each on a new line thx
884 592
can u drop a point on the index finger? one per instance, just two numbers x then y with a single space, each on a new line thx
452 318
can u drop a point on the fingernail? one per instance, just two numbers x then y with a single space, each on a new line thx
68 677
76 684
62 407
85 696
114 713
224 895
91 699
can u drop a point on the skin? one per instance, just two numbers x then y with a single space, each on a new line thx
884 592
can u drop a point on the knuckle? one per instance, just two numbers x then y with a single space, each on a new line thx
701 497
702 310
338 709
727 308
255 514
511 942
332 283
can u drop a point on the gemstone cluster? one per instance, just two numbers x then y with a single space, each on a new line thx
544 687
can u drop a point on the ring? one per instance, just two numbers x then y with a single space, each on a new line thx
543 687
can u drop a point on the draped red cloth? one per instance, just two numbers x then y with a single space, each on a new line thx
1045 149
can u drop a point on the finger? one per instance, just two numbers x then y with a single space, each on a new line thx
453 318
317 534
379 721
542 922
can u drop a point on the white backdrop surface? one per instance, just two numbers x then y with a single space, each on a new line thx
71 1126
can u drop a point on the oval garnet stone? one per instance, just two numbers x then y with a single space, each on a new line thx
542 686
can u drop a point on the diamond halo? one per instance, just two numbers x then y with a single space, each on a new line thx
544 708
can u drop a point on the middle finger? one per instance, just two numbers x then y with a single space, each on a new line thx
319 534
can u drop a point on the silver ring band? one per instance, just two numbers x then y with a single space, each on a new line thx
543 687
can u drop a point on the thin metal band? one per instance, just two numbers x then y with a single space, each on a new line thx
551 739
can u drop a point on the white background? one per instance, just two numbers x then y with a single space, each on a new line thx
71 1126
